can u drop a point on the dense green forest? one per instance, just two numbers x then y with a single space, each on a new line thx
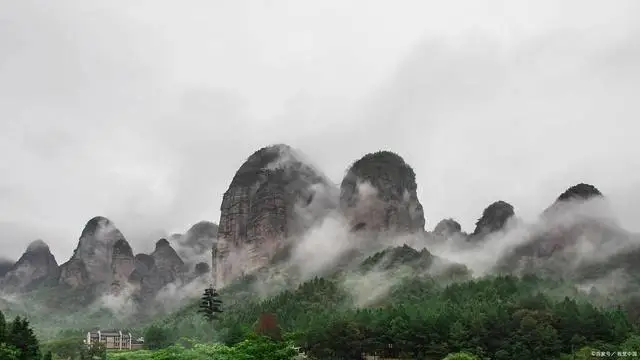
500 317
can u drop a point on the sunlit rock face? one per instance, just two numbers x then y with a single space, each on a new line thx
36 267
379 193
92 258
275 196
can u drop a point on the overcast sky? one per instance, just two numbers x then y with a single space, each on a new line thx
142 111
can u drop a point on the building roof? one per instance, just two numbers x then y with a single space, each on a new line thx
110 332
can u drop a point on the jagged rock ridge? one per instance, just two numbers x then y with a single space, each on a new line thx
379 192
276 194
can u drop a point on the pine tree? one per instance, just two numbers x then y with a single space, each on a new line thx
210 305
3 328
21 336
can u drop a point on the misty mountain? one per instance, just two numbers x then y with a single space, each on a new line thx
36 267
275 195
283 222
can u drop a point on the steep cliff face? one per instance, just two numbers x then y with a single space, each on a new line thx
494 218
379 192
122 265
36 267
91 260
274 195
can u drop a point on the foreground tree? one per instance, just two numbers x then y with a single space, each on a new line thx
8 352
3 328
95 351
267 325
157 337
210 305
21 337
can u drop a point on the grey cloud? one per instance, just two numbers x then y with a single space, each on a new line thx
143 112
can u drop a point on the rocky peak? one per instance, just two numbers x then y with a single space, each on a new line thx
162 243
379 192
447 227
199 238
276 194
38 246
579 201
580 191
36 266
494 218
168 263
92 258
572 223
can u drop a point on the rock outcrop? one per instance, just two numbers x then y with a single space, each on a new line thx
200 237
571 232
275 195
92 258
494 218
580 191
379 193
447 227
143 267
201 268
122 265
168 265
196 244
36 267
